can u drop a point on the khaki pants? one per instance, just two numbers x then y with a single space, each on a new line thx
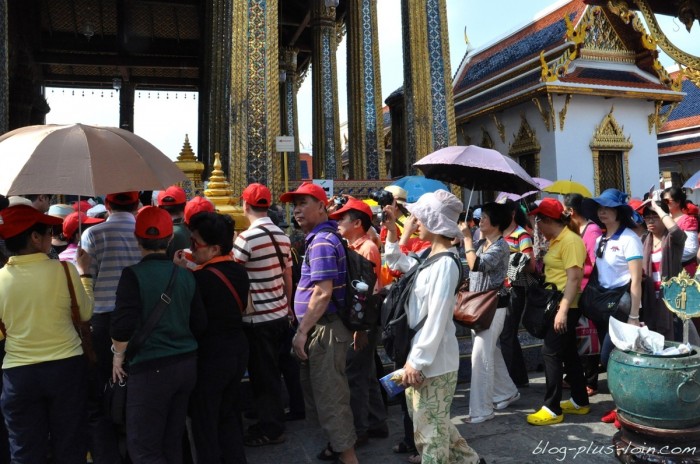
437 439
326 391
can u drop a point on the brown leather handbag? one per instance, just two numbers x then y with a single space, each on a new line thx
82 327
475 310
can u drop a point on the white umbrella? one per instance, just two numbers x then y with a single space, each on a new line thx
78 159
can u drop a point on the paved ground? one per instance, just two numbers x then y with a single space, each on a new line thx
505 439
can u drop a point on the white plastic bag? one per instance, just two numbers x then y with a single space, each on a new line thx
628 337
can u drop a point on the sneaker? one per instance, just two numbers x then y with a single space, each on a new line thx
505 403
544 417
478 419
569 407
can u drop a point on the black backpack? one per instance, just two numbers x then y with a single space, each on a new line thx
396 334
361 308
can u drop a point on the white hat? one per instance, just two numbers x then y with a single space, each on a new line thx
60 210
17 200
96 210
477 214
438 211
399 193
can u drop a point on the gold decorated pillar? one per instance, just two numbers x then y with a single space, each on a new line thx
326 126
215 92
427 78
255 101
365 117
289 86
187 162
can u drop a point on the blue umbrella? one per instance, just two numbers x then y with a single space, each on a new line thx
415 186
693 182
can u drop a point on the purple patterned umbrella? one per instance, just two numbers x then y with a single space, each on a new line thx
476 168
541 182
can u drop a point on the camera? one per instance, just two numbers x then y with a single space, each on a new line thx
340 200
382 197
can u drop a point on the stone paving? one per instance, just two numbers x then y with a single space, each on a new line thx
505 439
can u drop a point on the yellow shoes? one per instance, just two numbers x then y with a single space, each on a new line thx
569 407
544 417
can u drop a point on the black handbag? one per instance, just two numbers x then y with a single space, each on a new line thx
598 303
114 394
541 306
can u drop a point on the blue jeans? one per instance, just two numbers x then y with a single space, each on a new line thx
45 409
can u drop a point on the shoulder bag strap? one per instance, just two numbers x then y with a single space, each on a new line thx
74 308
430 261
277 247
135 344
227 282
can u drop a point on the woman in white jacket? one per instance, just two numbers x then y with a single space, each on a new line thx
431 369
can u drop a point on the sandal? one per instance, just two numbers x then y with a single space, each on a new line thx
327 454
401 447
262 440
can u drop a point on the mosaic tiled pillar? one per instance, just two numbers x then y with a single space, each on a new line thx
427 78
4 77
288 96
365 120
326 126
255 102
215 97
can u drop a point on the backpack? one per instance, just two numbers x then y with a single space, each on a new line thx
361 308
396 334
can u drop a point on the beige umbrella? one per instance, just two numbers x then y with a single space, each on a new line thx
78 159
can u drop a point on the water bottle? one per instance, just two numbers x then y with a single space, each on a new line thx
361 289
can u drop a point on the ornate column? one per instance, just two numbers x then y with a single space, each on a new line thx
4 76
365 118
289 85
255 102
427 78
215 94
326 129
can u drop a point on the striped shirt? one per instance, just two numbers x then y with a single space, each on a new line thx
254 249
112 247
324 260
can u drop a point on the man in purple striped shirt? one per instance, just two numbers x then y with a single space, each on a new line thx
322 340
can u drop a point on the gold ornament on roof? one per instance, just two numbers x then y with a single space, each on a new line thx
220 193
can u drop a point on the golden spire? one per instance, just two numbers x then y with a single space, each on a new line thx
187 162
220 193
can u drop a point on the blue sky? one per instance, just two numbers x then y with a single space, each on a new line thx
164 120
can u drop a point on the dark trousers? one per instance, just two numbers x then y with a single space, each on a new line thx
265 341
510 345
45 409
289 367
103 436
4 437
156 409
365 395
215 408
561 356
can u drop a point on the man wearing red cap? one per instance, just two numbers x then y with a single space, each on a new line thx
354 220
173 200
264 250
112 246
322 340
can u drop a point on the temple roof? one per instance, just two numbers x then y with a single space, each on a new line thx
611 62
681 132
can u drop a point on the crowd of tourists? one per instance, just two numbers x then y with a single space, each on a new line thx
161 298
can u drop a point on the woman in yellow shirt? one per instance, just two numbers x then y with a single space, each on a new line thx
44 371
563 266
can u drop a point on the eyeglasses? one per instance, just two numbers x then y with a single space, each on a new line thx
601 246
195 245
651 218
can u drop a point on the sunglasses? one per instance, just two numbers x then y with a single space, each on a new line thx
601 246
195 245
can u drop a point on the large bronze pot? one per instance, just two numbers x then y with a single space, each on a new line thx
657 391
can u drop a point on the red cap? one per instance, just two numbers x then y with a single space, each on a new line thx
549 207
84 205
257 195
153 223
306 188
123 198
352 203
636 204
171 196
70 223
198 205
16 219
